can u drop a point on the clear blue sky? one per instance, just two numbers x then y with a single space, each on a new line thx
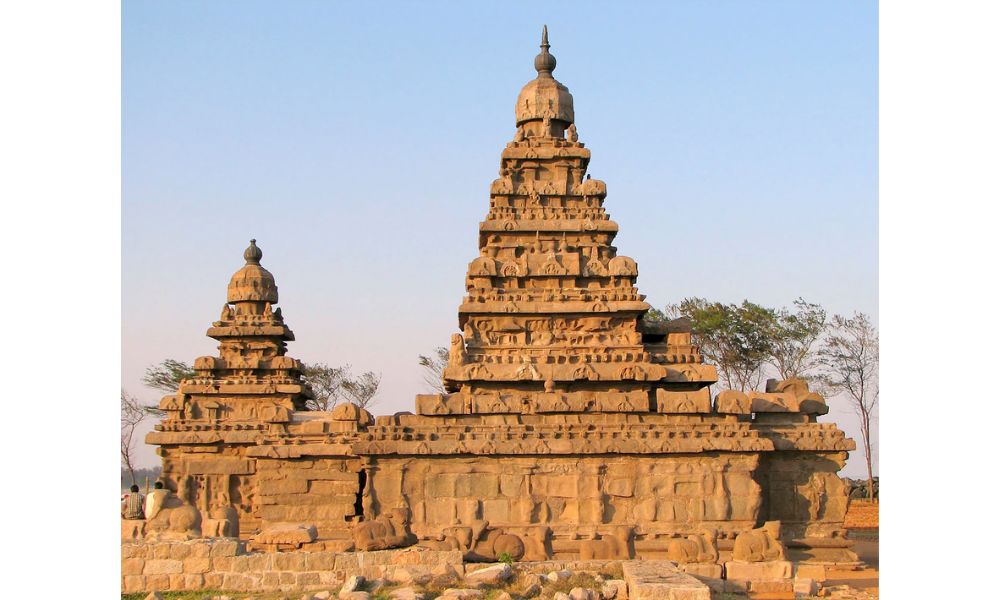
357 142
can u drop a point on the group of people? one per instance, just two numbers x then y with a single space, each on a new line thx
137 507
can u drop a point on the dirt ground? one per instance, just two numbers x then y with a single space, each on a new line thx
862 526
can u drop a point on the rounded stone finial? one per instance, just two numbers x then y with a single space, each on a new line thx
543 97
252 254
545 63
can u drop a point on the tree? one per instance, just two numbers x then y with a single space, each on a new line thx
326 383
330 385
849 357
433 366
361 390
655 315
737 338
167 375
333 385
793 339
133 413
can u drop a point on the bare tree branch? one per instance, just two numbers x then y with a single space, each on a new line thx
326 383
433 369
849 358
794 338
361 390
132 414
168 375
334 385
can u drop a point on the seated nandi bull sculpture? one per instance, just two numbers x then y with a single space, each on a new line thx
386 531
697 548
479 543
617 545
760 545
174 520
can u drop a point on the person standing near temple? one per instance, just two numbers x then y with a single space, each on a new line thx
132 507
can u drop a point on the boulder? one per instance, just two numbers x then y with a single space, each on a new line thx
614 589
460 594
494 575
405 593
554 576
154 596
579 593
353 584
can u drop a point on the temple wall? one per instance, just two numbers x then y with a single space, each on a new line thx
804 492
574 495
207 476
321 491
660 494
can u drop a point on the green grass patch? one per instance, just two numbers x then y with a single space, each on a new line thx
582 580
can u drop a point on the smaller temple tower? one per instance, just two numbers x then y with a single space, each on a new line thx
250 389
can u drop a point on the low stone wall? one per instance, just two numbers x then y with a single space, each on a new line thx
225 564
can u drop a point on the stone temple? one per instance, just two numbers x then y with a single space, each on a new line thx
572 427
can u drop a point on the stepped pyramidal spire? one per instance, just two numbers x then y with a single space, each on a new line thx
552 306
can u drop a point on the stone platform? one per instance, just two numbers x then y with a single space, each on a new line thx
225 564
661 580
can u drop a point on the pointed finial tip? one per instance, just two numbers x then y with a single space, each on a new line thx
545 63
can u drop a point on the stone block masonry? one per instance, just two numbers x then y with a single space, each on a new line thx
227 565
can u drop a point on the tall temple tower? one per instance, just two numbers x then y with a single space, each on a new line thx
552 307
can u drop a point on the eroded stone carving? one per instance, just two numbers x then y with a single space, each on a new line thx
616 545
760 545
174 520
696 548
387 531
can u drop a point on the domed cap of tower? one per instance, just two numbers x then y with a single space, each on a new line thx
544 96
252 283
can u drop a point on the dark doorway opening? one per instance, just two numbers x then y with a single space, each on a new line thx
359 507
